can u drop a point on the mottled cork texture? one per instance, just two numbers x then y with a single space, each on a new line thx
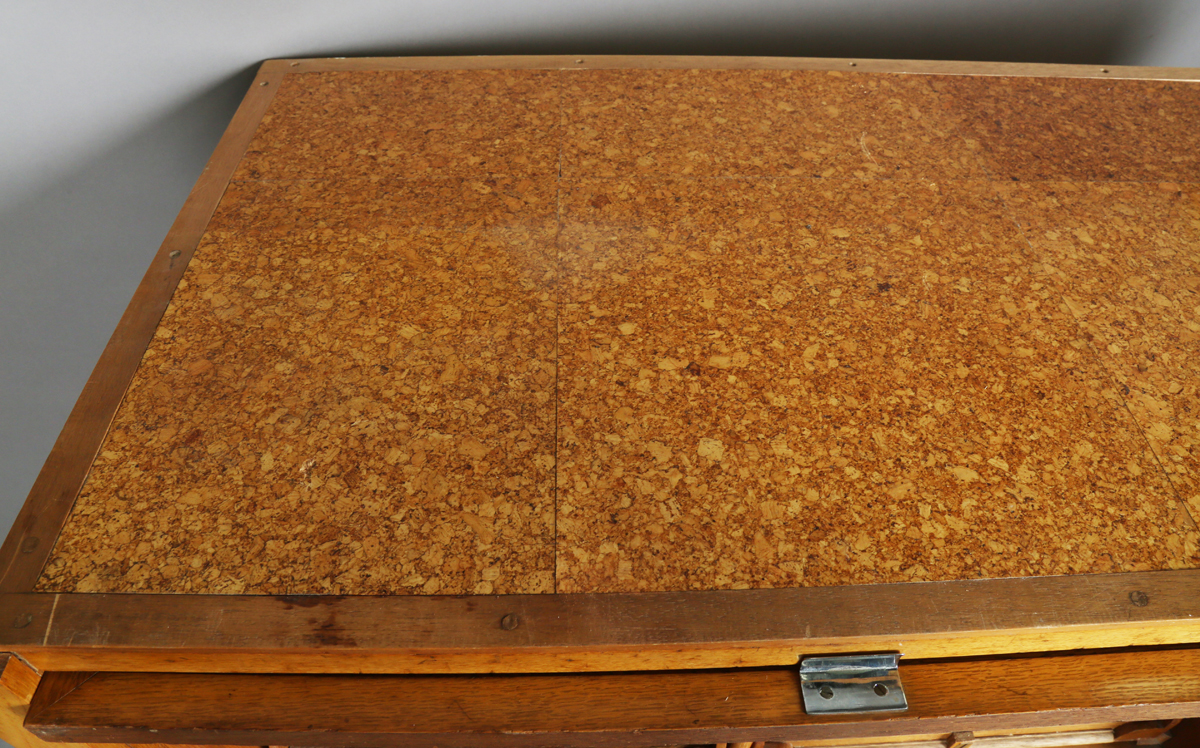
491 332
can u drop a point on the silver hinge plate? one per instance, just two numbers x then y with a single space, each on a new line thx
851 685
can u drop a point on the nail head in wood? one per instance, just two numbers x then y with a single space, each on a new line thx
1139 598
510 622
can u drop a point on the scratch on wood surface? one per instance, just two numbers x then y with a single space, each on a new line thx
50 622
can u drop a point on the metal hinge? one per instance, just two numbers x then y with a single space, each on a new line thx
857 683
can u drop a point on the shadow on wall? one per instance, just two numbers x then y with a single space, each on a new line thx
1100 32
73 253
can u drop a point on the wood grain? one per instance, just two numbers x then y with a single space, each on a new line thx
611 709
32 536
566 633
608 62
18 679
18 683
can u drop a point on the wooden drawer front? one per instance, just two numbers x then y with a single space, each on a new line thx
606 709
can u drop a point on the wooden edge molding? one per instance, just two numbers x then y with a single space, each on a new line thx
598 632
45 512
610 62
607 709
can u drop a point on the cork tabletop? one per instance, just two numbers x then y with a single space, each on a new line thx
534 331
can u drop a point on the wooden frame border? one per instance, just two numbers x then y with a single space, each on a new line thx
598 632
667 62
558 632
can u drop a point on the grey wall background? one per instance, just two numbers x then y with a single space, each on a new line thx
109 111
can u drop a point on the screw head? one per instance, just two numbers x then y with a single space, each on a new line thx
510 622
826 692
1139 598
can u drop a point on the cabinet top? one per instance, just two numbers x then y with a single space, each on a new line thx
667 328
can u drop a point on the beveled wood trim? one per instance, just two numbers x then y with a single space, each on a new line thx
663 62
600 632
607 709
45 512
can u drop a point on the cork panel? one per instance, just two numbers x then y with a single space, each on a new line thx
1128 259
350 393
1080 129
760 123
408 124
814 383
491 205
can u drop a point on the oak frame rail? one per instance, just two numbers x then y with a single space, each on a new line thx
598 632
